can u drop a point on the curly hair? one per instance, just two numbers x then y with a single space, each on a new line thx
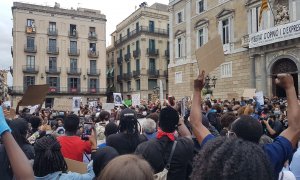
231 159
48 157
227 119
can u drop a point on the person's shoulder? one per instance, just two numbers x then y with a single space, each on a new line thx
185 141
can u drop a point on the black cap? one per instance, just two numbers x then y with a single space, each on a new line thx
128 113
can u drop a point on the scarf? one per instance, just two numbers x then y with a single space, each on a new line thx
161 133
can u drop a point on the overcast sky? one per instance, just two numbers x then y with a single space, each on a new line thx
115 11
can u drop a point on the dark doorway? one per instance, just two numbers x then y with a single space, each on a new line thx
284 65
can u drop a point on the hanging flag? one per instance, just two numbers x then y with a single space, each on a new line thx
264 6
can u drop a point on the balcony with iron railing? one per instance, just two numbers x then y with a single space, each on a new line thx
119 60
153 73
29 49
93 72
30 69
93 54
52 50
52 31
30 29
119 78
136 74
73 34
92 36
53 70
152 52
127 57
74 71
73 52
136 53
61 90
142 29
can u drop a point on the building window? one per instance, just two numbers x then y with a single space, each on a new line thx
128 67
93 66
30 61
225 31
30 42
52 63
73 65
30 23
93 84
74 84
178 77
29 80
152 66
92 47
73 47
151 26
137 65
152 83
151 45
73 29
138 85
226 70
180 17
128 86
52 27
202 36
121 87
201 6
53 81
128 32
120 69
137 26
179 43
93 31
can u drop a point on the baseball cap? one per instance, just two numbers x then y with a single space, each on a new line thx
128 113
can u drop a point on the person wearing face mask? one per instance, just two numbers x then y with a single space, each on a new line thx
273 126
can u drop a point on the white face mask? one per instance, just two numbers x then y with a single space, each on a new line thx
144 113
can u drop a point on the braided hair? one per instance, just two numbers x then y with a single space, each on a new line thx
231 159
48 157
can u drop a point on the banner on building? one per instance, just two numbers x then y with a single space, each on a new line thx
118 99
275 34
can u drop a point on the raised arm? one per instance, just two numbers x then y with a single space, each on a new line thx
199 130
292 133
18 160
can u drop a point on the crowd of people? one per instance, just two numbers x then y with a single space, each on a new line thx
208 140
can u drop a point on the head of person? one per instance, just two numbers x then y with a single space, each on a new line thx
207 105
149 126
128 122
102 157
168 119
19 130
60 122
247 128
35 122
227 119
71 123
153 116
233 158
103 116
48 157
127 167
110 128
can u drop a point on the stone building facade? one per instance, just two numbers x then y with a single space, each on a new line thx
139 53
195 22
64 48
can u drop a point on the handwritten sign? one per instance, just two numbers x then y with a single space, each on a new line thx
62 104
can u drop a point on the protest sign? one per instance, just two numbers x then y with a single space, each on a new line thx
32 108
118 99
35 94
136 99
108 106
231 96
249 93
76 166
7 103
62 104
93 104
260 97
210 55
76 104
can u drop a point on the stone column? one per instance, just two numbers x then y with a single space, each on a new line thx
252 72
187 19
171 38
263 73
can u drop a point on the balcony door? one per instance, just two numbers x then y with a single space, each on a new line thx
52 64
30 62
151 45
73 65
151 26
152 66
30 43
93 66
52 45
73 47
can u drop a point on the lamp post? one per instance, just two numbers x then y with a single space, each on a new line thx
210 83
